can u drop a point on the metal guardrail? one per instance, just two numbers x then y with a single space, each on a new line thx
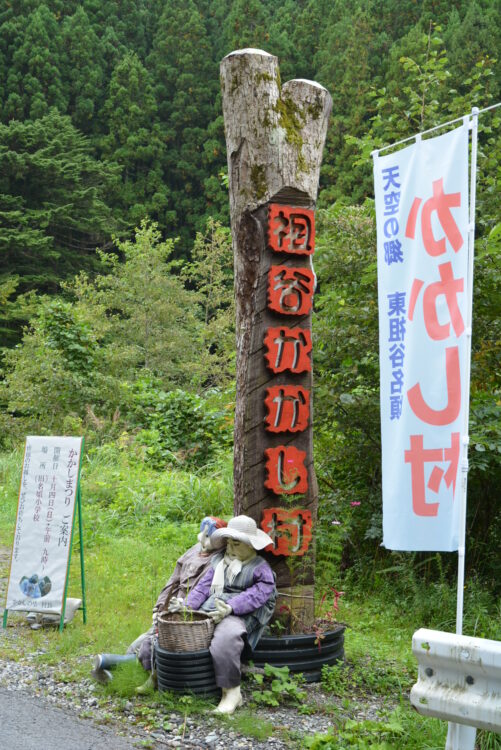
459 680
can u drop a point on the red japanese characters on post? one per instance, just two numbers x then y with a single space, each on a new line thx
288 349
290 529
291 229
290 290
286 470
288 408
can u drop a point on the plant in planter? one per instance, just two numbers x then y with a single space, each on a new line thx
291 615
295 641
306 650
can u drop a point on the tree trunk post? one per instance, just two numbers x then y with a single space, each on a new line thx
275 137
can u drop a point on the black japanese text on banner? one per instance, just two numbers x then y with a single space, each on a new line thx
42 538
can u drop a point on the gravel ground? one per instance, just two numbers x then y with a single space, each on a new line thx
137 717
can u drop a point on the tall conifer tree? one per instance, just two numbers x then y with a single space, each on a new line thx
186 86
134 140
34 80
52 201
84 69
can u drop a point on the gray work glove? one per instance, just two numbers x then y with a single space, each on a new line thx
222 610
176 604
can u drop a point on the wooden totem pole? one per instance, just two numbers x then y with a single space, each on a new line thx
275 137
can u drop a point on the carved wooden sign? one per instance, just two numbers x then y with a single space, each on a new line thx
290 290
288 408
274 137
291 230
290 528
288 349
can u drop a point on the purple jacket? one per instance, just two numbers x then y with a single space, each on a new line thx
243 603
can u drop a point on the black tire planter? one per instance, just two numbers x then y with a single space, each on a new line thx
294 655
180 657
205 691
185 672
300 652
185 666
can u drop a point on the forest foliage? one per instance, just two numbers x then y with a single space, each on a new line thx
116 289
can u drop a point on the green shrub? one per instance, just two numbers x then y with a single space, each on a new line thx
277 685
121 491
179 428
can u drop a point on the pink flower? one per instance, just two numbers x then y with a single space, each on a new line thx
355 502
337 594
335 603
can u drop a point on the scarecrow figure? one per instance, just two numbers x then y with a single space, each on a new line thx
190 567
238 591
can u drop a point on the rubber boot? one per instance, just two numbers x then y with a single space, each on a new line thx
104 662
231 699
150 684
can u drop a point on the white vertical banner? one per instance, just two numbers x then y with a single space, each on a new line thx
45 515
422 251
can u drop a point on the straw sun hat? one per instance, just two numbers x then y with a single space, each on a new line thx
245 530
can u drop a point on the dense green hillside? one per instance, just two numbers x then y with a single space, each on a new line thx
112 138
139 82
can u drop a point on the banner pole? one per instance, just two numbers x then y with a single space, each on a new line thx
466 388
461 736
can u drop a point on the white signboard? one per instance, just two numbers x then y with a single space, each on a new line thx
45 515
422 227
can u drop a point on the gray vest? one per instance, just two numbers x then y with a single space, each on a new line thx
256 621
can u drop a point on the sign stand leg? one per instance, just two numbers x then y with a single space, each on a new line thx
63 603
5 618
82 577
82 570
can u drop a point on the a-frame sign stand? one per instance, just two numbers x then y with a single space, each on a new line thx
54 493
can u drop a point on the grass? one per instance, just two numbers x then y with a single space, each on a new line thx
10 476
136 524
397 730
244 722
126 678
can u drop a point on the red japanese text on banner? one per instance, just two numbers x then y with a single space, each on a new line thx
422 229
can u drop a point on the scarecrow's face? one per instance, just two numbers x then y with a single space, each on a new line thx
240 550
205 540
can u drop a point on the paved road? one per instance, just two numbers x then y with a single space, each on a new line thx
31 723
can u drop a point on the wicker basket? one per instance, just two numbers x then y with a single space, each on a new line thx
184 631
